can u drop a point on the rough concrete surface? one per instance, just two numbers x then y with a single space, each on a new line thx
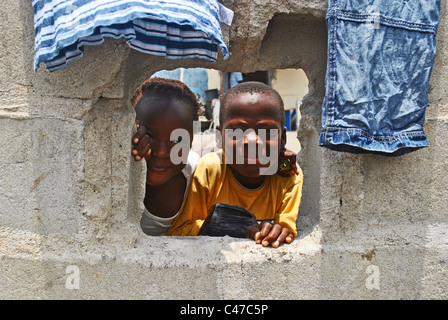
71 195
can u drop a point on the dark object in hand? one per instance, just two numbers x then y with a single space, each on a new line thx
228 220
284 165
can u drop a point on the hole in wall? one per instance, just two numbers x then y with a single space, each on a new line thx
210 84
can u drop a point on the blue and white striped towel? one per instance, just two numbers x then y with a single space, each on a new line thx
175 29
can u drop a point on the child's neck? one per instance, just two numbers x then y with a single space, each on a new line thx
165 200
248 182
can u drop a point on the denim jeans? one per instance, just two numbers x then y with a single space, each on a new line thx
380 57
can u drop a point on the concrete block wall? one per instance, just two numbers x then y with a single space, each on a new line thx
70 193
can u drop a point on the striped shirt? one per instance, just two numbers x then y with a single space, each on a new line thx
174 29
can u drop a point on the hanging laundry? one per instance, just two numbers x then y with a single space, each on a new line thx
174 29
380 57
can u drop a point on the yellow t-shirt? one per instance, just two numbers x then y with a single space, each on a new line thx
213 182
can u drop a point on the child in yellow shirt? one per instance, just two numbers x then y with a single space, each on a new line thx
238 176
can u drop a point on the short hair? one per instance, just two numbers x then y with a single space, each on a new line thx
251 87
167 88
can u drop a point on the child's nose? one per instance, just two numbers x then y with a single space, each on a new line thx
161 149
251 137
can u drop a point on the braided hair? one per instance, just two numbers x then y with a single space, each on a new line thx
167 88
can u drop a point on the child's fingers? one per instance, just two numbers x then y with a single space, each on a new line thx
277 236
135 138
141 131
272 236
265 229
281 238
142 149
268 234
145 152
143 146
290 238
251 232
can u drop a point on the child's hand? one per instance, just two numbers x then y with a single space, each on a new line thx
287 163
142 147
268 234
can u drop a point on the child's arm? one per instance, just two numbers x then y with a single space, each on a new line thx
284 228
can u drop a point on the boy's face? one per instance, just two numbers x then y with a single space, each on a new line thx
254 111
161 116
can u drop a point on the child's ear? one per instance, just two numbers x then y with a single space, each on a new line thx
283 139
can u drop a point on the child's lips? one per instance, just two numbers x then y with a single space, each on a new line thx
250 160
159 169
246 157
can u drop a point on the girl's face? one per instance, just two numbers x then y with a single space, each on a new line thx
161 116
257 112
